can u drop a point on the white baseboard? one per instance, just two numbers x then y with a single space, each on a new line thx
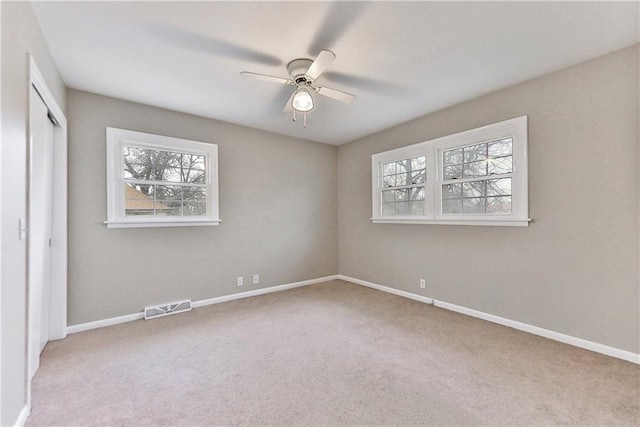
525 327
81 327
556 336
217 300
22 417
262 291
387 289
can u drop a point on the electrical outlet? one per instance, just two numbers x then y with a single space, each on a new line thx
239 281
423 284
256 279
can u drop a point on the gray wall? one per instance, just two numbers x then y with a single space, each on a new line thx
20 35
278 204
574 270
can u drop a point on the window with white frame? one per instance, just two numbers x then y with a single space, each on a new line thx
160 181
476 177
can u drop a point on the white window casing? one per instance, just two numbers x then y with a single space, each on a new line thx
128 206
485 173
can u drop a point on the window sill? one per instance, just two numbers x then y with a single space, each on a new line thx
502 222
148 224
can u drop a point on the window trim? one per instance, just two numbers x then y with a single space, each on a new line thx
115 141
515 128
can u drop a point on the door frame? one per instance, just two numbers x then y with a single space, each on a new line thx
58 305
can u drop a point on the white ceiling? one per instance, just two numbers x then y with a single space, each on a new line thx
402 59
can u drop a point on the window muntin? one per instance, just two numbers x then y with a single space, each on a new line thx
476 177
154 180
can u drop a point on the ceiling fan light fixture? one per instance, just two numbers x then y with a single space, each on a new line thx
302 100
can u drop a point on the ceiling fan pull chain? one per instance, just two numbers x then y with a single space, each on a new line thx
294 115
304 115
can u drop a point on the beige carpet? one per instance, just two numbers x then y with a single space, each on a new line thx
328 354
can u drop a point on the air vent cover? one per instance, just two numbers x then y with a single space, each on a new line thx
154 311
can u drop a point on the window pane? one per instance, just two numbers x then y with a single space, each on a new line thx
452 206
475 205
500 148
416 208
418 177
138 200
453 172
475 169
387 209
498 187
194 208
166 159
389 181
194 194
473 153
401 195
168 200
452 191
418 163
137 163
193 162
388 169
401 179
452 157
500 165
499 204
473 189
387 196
402 166
193 176
132 171
416 193
168 174
136 155
401 208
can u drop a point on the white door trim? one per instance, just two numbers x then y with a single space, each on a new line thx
58 311
59 229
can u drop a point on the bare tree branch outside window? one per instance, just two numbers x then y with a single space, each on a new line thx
165 182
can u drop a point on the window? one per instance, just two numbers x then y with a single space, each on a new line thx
403 186
159 181
476 177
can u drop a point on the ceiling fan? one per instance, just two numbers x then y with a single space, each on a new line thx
303 74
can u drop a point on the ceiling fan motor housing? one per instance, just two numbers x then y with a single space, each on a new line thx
297 69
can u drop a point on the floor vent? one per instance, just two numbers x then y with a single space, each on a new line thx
166 309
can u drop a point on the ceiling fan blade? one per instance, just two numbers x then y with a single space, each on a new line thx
322 61
338 19
266 78
205 43
336 94
367 83
287 107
